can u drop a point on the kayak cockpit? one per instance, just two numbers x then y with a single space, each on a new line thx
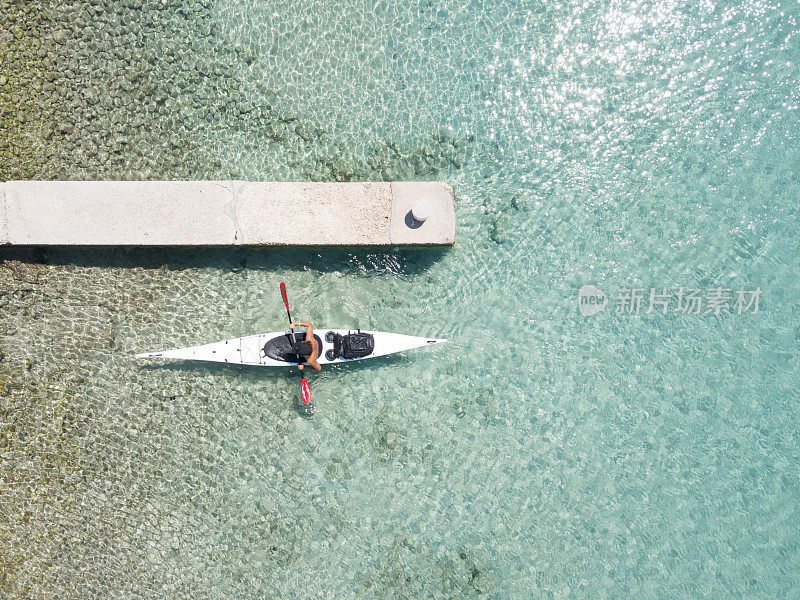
280 347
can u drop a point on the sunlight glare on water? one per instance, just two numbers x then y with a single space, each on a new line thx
539 454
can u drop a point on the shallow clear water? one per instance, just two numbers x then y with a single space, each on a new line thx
540 454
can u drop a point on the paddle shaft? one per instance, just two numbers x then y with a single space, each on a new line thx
286 304
306 406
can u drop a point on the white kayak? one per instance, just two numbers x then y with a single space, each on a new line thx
275 349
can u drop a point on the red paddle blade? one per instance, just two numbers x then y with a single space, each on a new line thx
305 392
285 297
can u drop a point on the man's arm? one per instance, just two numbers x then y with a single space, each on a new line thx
309 329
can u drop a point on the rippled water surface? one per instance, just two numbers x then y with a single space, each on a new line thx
540 454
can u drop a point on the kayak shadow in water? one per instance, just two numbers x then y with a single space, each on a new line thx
364 261
211 368
281 376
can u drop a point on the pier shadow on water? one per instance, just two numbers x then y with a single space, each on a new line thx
364 261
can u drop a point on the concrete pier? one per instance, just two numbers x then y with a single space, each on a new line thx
222 213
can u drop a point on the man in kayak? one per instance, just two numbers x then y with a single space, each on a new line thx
308 348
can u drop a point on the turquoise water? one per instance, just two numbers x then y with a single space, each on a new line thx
540 454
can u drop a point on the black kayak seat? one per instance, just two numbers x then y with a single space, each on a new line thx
280 348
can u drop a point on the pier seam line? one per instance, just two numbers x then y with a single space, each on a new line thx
235 210
231 209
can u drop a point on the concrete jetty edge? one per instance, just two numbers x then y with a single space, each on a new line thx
226 213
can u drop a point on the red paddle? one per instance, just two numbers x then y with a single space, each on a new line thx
305 390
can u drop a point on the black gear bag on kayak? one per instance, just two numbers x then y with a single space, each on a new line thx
352 345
